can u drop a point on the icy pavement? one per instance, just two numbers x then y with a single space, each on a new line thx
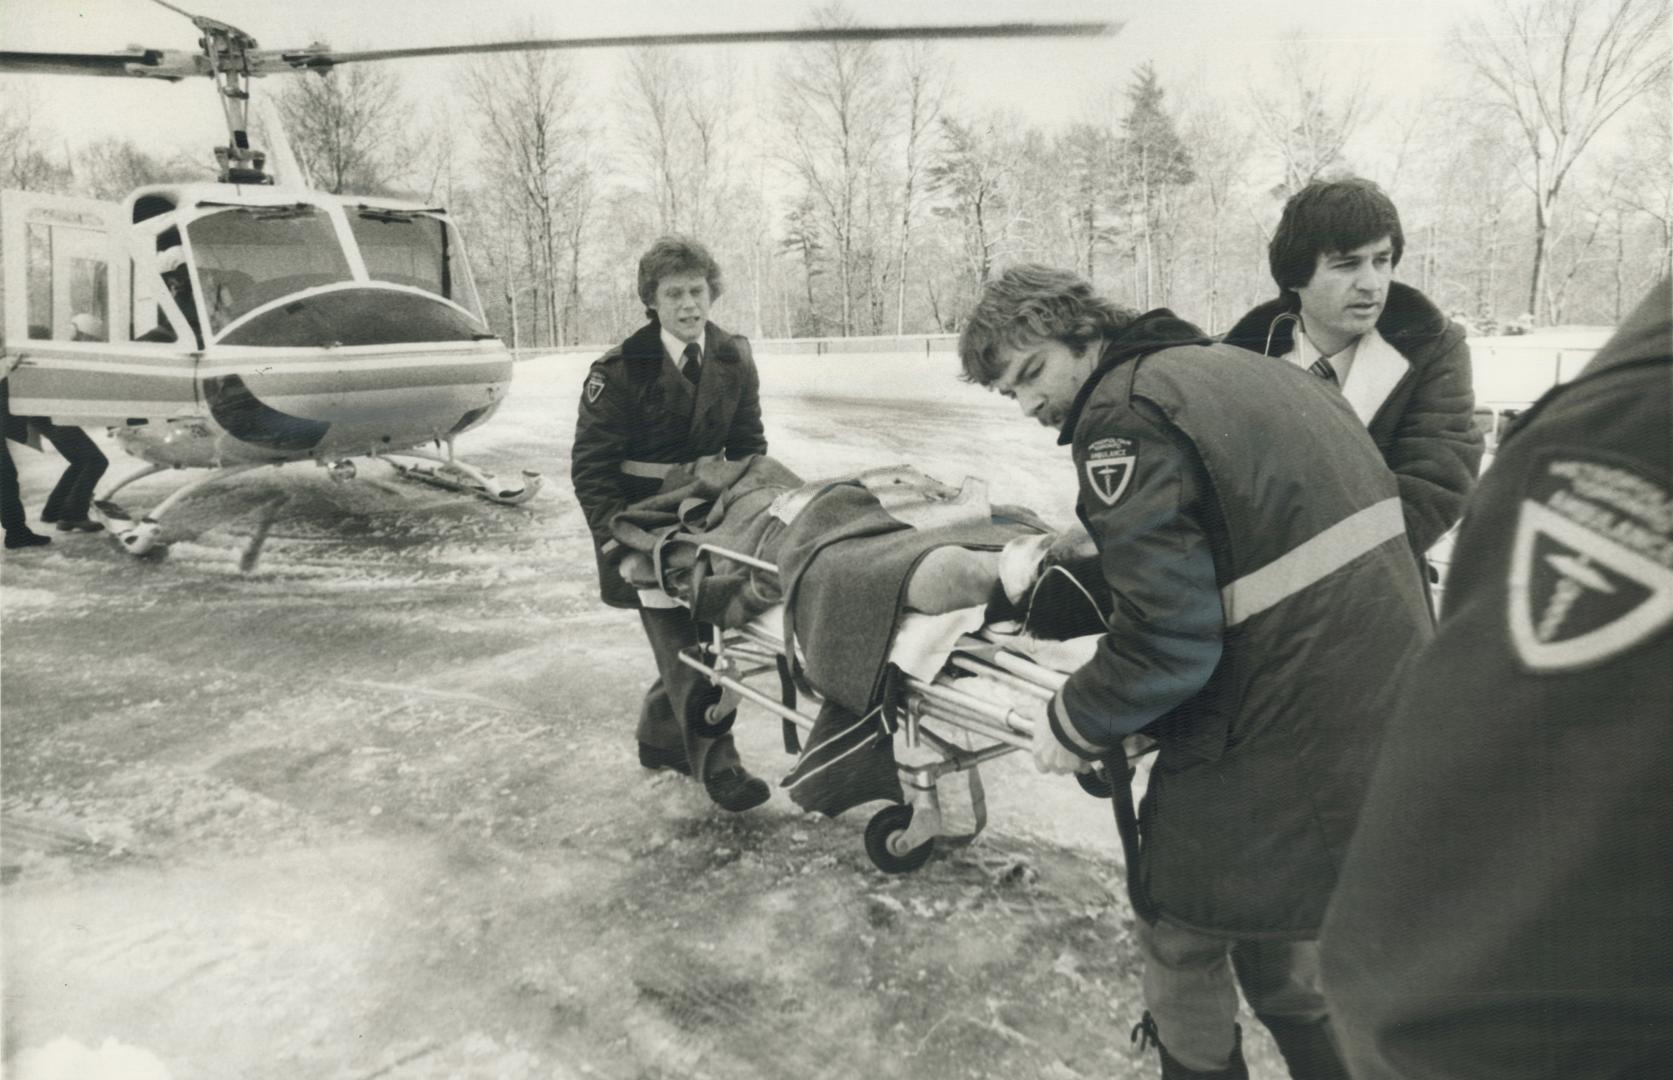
371 809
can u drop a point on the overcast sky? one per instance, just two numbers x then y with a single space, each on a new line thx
1212 45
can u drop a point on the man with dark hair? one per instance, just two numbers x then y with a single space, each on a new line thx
1402 366
678 389
1503 909
1263 602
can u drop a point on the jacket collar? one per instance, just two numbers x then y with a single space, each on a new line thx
1377 369
1153 331
645 354
1408 322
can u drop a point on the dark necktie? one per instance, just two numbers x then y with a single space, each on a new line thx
689 367
1321 367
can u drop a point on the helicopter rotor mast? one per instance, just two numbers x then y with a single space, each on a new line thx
228 51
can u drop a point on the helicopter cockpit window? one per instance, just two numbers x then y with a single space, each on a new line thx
247 256
409 248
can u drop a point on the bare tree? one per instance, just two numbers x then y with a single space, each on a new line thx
1645 169
110 170
345 127
801 240
973 176
923 90
1220 155
24 163
834 110
1561 70
1307 121
1156 163
650 101
531 138
1084 163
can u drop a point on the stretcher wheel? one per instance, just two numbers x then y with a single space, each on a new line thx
1096 782
885 825
698 719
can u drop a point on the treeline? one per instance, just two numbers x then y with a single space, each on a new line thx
848 193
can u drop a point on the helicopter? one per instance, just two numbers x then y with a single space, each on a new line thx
251 322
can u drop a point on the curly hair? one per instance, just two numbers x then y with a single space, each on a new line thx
1328 216
1030 303
669 255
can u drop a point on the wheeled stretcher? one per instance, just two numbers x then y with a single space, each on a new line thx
964 694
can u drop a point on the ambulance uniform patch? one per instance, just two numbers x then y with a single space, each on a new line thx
1591 565
595 386
1109 467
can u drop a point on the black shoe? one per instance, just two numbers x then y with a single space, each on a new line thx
734 789
82 525
23 538
655 757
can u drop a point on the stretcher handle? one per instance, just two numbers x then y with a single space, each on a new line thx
739 557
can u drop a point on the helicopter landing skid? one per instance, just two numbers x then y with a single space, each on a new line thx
140 538
457 476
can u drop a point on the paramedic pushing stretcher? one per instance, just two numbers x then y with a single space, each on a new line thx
1264 599
679 388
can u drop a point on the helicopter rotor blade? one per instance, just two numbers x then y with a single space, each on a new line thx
320 59
174 64
171 64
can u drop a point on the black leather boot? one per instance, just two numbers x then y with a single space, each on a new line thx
1145 1032
1308 1047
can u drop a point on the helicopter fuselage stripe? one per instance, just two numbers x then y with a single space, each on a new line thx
121 383
356 380
96 411
138 367
313 363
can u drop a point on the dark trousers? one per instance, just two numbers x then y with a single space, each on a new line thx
673 694
11 502
73 493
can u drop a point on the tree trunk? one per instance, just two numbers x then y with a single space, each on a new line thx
1536 283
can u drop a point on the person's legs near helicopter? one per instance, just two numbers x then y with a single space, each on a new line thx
12 515
666 739
73 494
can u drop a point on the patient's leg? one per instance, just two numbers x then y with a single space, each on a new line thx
951 578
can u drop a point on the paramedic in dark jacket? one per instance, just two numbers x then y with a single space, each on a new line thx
1504 908
678 389
1264 602
1401 365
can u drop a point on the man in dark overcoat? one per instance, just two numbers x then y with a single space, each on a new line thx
677 389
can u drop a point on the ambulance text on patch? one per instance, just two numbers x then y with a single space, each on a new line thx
1110 464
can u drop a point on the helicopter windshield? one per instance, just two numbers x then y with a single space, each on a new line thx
408 248
249 255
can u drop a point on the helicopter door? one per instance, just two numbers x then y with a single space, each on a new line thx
67 318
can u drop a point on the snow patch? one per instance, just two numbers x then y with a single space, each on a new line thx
66 1059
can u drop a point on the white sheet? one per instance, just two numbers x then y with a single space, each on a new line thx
924 642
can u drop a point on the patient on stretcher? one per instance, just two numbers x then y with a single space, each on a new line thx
951 549
852 559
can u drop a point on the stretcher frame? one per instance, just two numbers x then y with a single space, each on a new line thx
901 837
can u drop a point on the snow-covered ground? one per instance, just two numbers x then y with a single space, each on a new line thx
371 809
